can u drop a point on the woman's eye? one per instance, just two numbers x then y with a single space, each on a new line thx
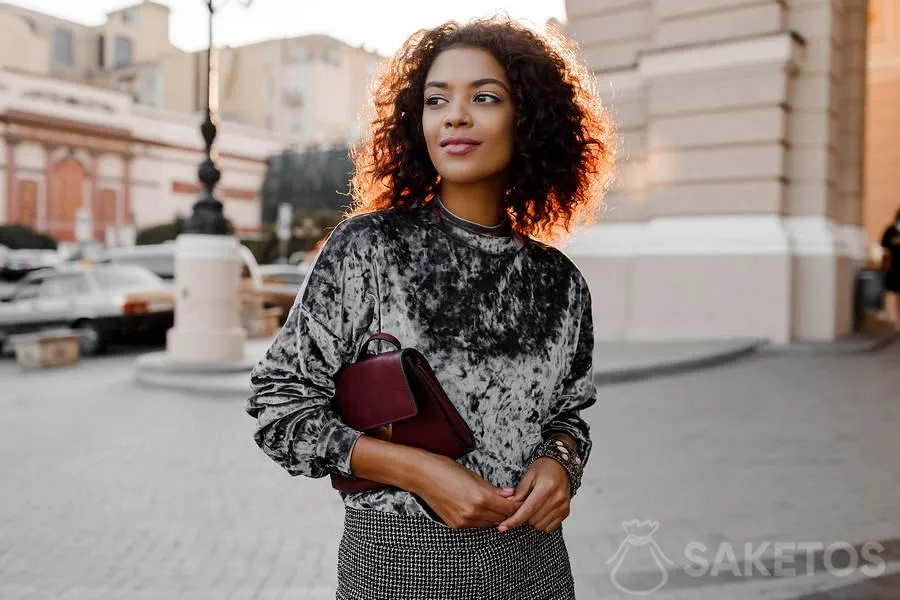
486 98
434 100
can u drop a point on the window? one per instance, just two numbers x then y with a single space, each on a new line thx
161 264
112 278
64 286
122 51
101 51
28 289
131 17
62 48
331 57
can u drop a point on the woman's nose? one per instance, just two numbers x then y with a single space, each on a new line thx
457 116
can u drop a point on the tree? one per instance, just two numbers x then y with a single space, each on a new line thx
19 237
315 180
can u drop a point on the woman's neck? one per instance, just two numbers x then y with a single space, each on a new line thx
480 203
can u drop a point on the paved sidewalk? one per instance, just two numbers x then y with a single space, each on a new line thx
113 491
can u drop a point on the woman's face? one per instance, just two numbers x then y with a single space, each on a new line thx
468 116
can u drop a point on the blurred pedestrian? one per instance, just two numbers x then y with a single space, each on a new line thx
890 241
487 146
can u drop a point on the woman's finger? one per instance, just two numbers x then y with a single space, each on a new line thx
549 522
526 484
546 511
534 501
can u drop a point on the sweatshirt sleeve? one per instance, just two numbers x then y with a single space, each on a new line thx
577 390
293 385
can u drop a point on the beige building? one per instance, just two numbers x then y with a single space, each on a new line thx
66 146
738 210
310 87
882 176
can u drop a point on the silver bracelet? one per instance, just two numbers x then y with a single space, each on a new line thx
566 456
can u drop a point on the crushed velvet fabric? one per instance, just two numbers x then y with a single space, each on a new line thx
505 321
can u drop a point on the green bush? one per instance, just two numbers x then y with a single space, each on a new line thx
19 237
267 249
158 234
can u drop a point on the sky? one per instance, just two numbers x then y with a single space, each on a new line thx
380 25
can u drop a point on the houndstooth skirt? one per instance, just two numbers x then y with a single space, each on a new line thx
383 556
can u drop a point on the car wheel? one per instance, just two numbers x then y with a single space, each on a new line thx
91 342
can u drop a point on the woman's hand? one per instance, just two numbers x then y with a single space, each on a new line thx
460 497
545 495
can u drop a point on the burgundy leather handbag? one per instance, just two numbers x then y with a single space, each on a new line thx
395 396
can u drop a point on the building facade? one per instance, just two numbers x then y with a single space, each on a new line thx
66 146
882 177
737 212
310 87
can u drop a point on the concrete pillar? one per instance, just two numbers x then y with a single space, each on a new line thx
13 209
124 215
94 194
727 221
207 326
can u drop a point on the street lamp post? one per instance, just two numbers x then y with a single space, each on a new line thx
208 261
208 216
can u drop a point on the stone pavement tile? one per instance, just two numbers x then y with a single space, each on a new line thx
752 589
314 593
152 495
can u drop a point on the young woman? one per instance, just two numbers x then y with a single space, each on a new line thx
890 242
488 143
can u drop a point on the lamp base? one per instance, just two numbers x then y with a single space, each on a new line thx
207 301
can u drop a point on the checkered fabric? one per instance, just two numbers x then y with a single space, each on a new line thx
384 556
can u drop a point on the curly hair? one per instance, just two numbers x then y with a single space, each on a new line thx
564 149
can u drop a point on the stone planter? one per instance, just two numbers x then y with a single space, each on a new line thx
261 322
47 349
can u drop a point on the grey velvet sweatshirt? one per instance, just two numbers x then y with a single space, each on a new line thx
504 321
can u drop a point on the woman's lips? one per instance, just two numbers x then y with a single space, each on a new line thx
460 148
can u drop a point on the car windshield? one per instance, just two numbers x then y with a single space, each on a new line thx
119 277
159 264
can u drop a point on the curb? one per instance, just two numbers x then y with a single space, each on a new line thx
677 365
157 370
159 362
858 344
233 380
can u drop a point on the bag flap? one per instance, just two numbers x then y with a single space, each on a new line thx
417 367
374 392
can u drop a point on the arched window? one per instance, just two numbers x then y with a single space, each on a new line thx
122 51
62 48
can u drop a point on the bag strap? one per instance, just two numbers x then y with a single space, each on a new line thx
377 337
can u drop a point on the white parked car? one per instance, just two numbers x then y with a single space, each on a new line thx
103 302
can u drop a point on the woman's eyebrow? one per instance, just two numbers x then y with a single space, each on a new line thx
487 80
477 83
